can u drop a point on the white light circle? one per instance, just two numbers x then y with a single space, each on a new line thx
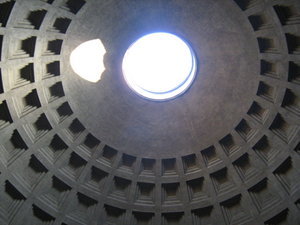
87 60
159 66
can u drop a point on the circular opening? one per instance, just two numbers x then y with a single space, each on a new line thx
159 66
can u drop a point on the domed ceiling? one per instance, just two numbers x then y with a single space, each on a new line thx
224 152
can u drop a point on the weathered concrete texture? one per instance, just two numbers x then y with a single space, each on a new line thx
225 152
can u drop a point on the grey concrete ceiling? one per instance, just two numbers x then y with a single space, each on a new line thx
225 152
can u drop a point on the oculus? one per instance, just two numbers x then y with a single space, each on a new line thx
159 66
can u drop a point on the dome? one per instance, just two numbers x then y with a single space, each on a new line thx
223 152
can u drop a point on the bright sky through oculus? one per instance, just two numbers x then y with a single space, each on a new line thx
159 66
